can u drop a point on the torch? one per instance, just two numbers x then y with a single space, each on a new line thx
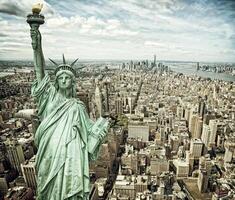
35 19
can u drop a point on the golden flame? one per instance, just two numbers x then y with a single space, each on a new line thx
37 8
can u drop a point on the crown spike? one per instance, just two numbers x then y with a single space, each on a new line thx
53 62
64 66
64 62
74 62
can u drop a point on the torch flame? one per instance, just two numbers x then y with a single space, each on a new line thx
37 8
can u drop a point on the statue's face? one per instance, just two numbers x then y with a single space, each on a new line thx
64 81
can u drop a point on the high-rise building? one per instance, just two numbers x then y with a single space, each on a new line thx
207 117
15 154
1 118
192 122
202 182
229 151
84 97
213 127
216 90
138 131
162 134
29 173
3 184
220 140
98 101
198 66
187 114
118 105
130 163
197 128
206 132
131 65
106 94
141 183
196 147
158 165
205 166
182 167
209 133
180 112
201 108
154 61
190 159
130 104
174 142
124 185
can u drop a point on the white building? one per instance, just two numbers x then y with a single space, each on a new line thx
196 147
29 173
182 167
139 131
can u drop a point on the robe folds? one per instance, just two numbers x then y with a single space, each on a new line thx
62 160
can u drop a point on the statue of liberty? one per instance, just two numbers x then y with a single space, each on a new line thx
66 138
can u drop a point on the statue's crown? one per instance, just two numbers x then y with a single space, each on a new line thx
64 66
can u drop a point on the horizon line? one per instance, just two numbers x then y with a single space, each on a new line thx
136 59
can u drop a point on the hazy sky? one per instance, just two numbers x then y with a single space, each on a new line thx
200 30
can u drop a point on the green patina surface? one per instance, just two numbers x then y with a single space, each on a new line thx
62 160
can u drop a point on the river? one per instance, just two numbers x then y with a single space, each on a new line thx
190 69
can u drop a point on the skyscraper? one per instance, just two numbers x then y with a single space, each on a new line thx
118 106
15 154
84 97
205 167
197 132
154 61
98 101
196 147
206 132
229 151
106 94
138 131
209 133
29 173
201 108
198 66
213 127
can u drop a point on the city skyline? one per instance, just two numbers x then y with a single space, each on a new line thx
173 30
174 135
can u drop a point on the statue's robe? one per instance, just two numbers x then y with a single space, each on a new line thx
62 160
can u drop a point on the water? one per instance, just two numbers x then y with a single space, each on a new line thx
187 68
190 69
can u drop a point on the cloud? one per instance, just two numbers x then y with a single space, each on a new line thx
13 44
3 35
96 41
175 29
90 26
8 49
155 44
228 51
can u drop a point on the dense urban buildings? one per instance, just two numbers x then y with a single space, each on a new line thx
174 138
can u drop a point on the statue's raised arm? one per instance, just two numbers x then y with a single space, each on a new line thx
35 20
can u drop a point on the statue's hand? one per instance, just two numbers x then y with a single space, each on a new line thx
36 37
